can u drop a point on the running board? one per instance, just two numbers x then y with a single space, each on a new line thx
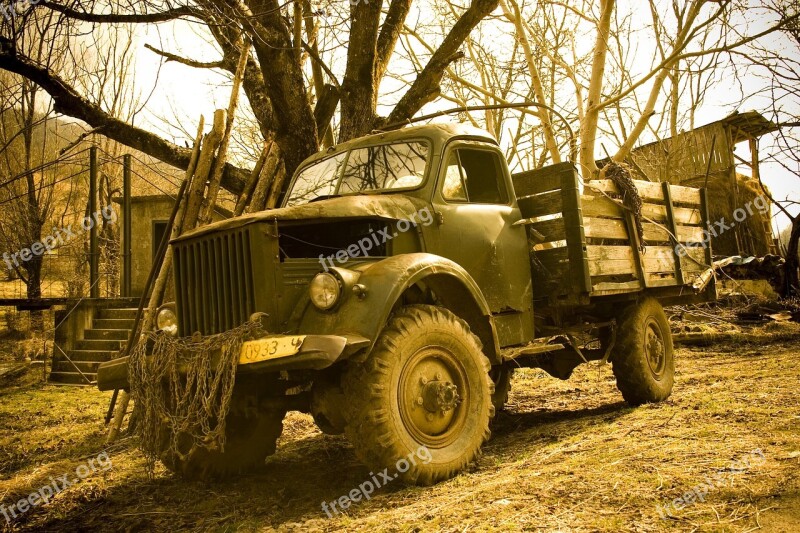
514 353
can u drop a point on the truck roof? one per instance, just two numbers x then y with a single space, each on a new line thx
437 133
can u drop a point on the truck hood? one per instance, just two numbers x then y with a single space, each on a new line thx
386 206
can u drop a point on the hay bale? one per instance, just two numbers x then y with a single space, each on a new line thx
755 241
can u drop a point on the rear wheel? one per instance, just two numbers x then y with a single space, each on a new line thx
420 405
644 360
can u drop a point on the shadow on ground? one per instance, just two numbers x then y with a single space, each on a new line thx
292 485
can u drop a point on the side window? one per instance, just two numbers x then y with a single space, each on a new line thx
454 189
475 176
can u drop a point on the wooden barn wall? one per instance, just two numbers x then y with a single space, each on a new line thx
685 157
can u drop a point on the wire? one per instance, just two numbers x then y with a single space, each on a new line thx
44 186
159 189
43 166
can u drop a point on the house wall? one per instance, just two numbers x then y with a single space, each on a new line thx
146 210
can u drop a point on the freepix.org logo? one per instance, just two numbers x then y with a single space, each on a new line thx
101 463
59 237
376 239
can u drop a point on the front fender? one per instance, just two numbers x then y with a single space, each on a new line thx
385 282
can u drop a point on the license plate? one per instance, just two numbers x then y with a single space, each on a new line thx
270 348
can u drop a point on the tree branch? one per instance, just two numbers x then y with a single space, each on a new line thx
115 18
427 86
67 101
390 33
185 61
359 88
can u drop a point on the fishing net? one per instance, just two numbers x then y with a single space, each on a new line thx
182 390
620 174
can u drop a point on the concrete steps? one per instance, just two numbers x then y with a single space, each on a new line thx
108 334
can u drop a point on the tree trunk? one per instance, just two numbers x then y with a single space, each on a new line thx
792 262
34 290
515 17
588 135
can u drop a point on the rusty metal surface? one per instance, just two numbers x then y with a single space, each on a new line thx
389 207
385 281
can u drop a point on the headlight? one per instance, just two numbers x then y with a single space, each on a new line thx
167 320
325 291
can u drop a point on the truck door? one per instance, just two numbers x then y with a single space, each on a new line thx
476 212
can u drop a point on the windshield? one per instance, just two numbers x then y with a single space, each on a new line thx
363 170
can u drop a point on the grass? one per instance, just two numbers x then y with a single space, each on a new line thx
568 456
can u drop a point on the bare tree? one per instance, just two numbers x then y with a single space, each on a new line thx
275 83
26 198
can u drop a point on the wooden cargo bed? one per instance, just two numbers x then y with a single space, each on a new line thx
584 244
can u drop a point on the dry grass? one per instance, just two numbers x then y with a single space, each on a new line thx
567 456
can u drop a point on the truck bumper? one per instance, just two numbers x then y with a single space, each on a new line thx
270 354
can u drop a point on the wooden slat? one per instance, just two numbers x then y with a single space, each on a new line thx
685 195
659 259
600 206
539 180
683 215
690 234
650 191
554 260
542 247
699 264
618 260
553 230
610 260
540 205
607 228
659 281
607 289
658 233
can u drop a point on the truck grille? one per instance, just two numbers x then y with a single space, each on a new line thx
214 282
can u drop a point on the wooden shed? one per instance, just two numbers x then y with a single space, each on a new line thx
705 157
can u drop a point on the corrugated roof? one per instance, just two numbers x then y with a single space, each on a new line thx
749 124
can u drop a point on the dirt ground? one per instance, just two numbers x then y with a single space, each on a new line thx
566 456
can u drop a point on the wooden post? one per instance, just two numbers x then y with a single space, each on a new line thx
672 225
119 416
94 271
734 190
574 230
263 188
705 216
247 193
126 226
772 242
205 161
207 212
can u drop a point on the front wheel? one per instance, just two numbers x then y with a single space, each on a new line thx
420 405
501 377
644 359
250 436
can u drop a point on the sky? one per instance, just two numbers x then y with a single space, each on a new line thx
180 93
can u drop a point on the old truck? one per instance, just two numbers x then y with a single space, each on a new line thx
408 273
